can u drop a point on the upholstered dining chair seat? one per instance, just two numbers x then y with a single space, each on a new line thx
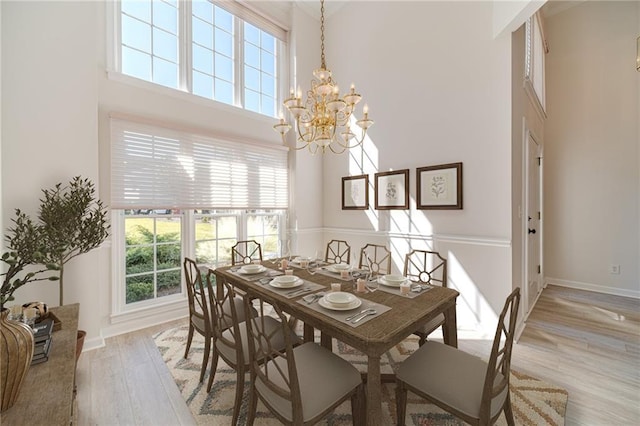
323 377
451 375
199 322
271 326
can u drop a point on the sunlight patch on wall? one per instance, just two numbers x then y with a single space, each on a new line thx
474 313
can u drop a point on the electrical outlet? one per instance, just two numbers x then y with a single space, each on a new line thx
614 269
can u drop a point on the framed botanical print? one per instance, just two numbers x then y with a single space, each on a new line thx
439 187
355 192
392 190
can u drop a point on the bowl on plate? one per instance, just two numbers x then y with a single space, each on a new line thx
285 280
251 269
340 298
394 279
341 266
302 258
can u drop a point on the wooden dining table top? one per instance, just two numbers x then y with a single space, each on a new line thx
383 331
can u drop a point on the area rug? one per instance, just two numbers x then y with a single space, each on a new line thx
534 401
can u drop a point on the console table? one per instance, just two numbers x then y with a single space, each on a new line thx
46 396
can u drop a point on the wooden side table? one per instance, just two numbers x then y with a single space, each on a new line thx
47 394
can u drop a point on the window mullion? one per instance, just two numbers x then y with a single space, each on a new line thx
239 61
185 44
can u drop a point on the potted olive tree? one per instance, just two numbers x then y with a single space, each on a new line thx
73 222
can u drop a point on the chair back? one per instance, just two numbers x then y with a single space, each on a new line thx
338 251
273 369
225 317
375 258
197 295
246 251
496 383
426 266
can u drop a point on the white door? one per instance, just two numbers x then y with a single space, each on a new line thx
533 225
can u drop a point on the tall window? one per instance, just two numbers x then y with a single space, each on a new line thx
223 51
177 194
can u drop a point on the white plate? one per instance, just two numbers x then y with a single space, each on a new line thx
295 284
332 268
340 298
382 281
257 271
300 258
396 279
326 304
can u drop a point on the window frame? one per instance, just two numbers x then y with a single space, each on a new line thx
185 79
188 222
535 50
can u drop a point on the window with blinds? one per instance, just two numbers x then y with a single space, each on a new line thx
155 167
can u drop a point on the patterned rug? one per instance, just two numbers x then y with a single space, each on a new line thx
534 401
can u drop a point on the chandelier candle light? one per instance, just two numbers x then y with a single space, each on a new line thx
324 119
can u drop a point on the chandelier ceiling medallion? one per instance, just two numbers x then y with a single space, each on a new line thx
323 121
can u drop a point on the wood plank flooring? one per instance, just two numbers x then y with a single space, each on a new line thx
588 343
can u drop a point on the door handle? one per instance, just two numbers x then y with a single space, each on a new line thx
532 231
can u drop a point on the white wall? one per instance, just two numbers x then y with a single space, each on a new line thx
438 85
592 148
50 130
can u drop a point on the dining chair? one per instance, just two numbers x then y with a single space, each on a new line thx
200 315
338 251
460 383
427 267
230 337
246 251
376 258
300 385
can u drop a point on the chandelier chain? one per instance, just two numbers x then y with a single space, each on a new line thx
324 66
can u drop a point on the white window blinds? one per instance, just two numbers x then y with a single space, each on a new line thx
158 168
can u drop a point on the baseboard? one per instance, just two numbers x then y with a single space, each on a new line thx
94 343
635 294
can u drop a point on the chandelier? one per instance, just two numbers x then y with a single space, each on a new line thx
323 121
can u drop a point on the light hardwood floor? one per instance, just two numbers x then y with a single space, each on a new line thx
586 342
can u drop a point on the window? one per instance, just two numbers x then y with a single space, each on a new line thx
177 193
534 61
153 247
150 41
223 51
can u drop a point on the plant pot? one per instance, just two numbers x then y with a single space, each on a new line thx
16 351
80 343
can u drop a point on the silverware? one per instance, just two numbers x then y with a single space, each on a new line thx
300 290
310 298
366 314
362 312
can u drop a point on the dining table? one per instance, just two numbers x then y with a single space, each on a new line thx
397 316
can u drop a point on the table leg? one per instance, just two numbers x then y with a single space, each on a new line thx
307 333
450 327
325 341
374 392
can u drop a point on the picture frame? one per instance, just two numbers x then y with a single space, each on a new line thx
355 192
392 190
439 187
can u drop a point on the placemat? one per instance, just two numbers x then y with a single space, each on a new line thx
343 315
306 288
416 289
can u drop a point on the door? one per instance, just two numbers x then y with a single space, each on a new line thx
533 225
